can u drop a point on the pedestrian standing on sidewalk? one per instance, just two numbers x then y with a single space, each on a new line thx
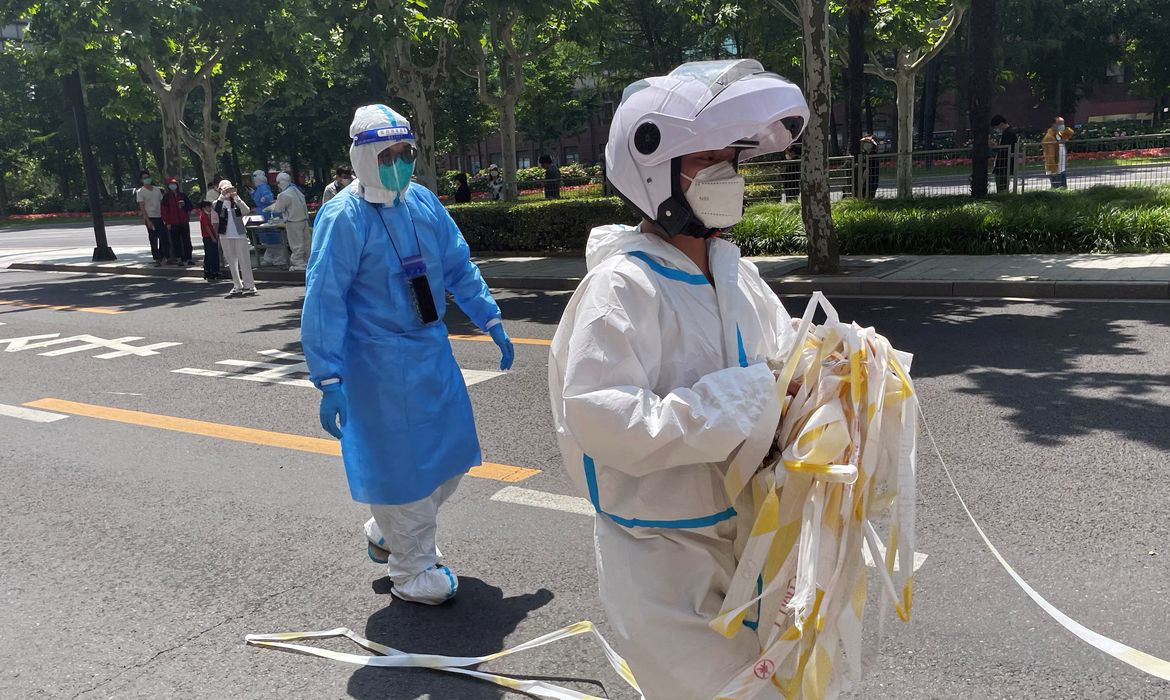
385 254
1005 155
232 210
149 200
1055 153
340 181
207 229
552 177
176 215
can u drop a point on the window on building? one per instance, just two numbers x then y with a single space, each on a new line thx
523 159
474 164
572 155
496 160
607 113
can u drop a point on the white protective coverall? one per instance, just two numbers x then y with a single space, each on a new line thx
291 204
656 378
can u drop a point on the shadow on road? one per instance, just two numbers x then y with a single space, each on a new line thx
120 292
476 622
1064 370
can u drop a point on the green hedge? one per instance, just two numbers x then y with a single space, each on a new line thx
542 226
1097 220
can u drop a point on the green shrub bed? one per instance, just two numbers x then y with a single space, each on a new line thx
1097 220
542 226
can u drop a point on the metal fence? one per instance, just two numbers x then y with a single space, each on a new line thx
1123 161
776 178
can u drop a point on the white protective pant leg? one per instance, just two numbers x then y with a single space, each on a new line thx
298 242
275 255
661 588
409 534
239 262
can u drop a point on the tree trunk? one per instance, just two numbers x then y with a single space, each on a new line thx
904 83
963 80
858 15
930 79
170 105
3 195
424 129
984 23
815 207
508 144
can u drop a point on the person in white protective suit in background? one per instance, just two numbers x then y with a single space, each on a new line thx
290 203
658 371
385 255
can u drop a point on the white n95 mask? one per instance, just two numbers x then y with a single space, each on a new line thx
716 195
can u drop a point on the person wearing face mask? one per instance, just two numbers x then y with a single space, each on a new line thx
176 216
658 371
149 200
340 181
231 211
869 149
495 182
385 255
1055 153
290 204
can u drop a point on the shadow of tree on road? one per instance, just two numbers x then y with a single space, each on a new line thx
114 291
1064 369
475 623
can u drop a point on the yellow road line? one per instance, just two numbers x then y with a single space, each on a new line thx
488 338
86 309
288 441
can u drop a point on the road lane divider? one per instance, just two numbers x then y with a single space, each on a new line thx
30 414
488 339
54 307
254 436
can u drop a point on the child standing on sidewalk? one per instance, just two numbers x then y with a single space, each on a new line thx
210 243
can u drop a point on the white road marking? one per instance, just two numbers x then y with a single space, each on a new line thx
919 558
292 373
30 414
119 347
540 499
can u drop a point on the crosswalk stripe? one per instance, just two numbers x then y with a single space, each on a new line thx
30 414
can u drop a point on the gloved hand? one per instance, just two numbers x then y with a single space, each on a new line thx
507 354
334 406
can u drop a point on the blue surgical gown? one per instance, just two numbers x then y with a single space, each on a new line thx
409 427
263 199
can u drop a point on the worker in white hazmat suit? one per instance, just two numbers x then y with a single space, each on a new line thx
658 370
290 203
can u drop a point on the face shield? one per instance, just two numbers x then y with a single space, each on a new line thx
383 153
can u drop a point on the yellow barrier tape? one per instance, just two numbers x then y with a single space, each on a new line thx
1147 663
388 657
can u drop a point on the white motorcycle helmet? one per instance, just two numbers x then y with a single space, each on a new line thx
699 106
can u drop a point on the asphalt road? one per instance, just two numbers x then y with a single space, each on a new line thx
134 559
72 236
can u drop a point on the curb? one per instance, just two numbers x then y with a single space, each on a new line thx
260 275
864 286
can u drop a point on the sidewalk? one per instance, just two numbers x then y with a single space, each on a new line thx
996 276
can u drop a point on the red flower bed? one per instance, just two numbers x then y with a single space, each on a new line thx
63 215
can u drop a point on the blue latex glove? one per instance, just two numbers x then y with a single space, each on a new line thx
507 354
334 406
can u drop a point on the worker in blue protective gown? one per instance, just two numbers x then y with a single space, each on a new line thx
385 253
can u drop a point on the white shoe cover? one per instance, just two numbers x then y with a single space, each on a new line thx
431 587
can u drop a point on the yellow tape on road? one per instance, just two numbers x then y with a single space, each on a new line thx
488 470
387 657
1159 668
